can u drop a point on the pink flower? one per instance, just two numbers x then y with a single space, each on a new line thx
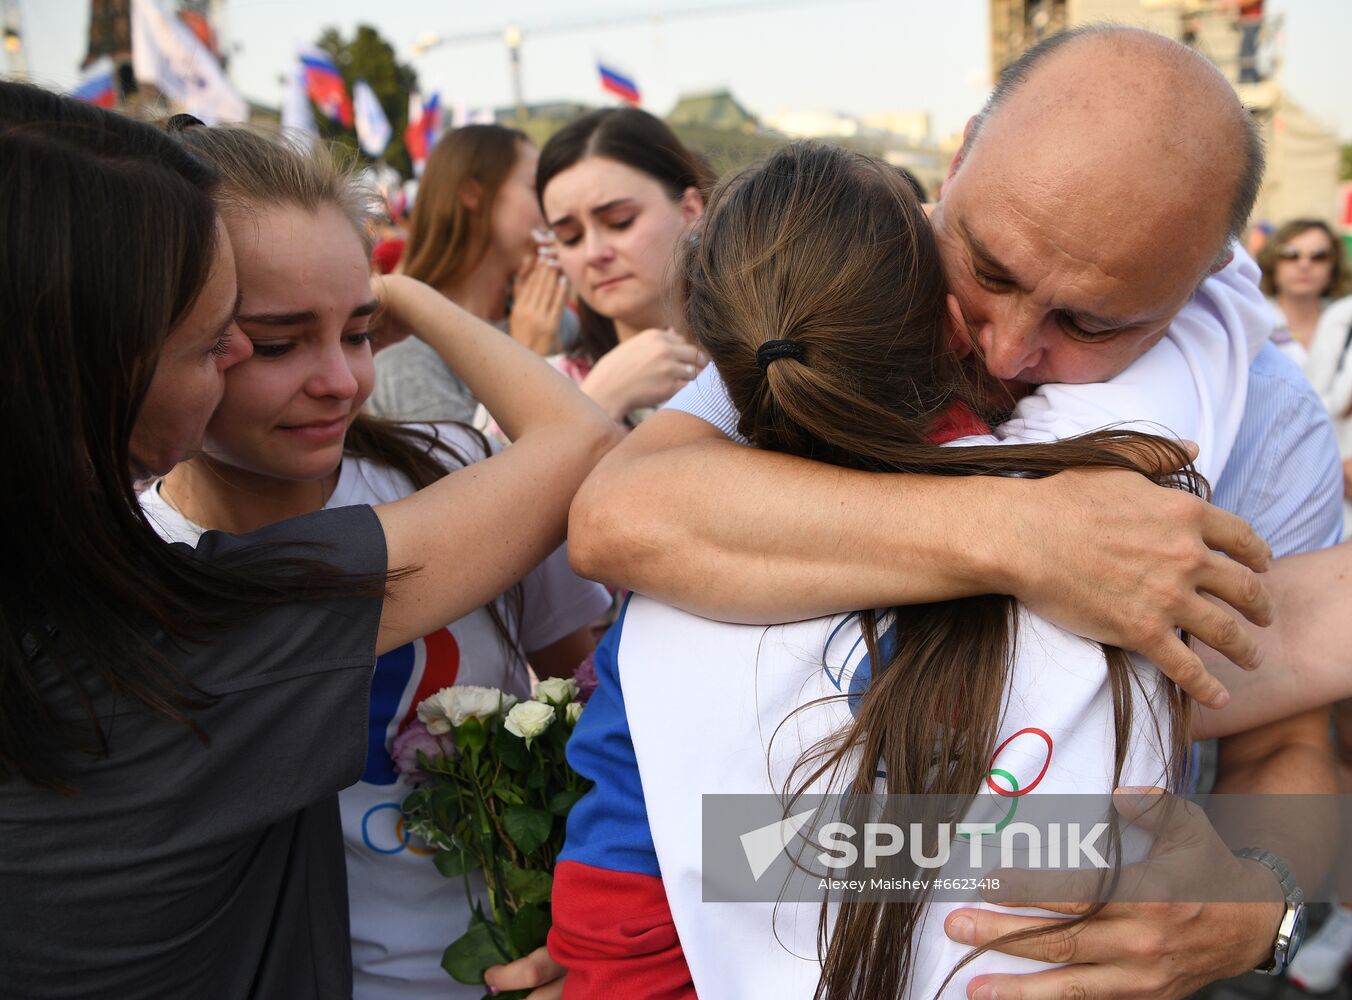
585 678
409 742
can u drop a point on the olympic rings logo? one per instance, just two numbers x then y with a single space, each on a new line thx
1014 792
402 839
1014 789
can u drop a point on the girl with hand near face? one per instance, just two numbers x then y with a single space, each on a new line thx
470 237
288 438
176 721
620 192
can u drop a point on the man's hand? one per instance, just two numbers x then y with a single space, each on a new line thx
1146 950
1111 556
536 972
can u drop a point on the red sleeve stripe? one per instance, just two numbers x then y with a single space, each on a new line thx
614 933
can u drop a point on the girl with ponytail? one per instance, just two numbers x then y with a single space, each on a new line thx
815 287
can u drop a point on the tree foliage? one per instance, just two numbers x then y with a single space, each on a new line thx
1345 174
367 56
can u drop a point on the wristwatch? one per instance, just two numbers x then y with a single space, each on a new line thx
1291 931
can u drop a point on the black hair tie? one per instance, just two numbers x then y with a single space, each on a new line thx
773 350
180 122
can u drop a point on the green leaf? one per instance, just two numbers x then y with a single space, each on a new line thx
444 806
416 801
537 778
528 887
562 802
505 790
454 862
511 751
527 826
528 929
468 955
472 734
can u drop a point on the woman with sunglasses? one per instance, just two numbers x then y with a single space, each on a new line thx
1303 269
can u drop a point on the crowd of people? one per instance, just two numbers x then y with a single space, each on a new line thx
1052 453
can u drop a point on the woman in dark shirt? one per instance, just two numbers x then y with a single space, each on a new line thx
174 722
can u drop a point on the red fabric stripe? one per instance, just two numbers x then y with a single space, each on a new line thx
614 934
441 664
958 421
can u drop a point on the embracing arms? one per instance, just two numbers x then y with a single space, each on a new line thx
468 537
1307 653
682 514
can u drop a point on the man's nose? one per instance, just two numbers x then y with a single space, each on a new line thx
1011 341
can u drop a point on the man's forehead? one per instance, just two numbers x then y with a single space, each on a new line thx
1087 282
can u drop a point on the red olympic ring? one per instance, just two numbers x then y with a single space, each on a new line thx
1040 775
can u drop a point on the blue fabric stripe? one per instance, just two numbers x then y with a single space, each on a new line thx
387 688
608 828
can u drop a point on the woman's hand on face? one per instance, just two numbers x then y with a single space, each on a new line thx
387 326
540 293
646 370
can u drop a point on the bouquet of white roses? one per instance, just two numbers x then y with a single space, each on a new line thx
493 792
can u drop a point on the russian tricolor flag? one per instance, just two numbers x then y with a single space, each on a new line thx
96 86
618 84
424 120
324 85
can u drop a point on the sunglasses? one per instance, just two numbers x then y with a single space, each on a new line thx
1314 257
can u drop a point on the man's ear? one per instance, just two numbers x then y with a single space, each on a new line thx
961 154
955 328
471 195
691 205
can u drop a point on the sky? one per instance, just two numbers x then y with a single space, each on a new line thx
854 56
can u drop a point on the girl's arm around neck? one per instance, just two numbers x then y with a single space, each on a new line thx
471 535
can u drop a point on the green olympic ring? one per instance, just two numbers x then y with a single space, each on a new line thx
1013 799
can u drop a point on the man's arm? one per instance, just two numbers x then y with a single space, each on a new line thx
684 515
1307 653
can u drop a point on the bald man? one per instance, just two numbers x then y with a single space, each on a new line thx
1102 184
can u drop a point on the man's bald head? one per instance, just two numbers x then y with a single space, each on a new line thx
1098 188
1135 114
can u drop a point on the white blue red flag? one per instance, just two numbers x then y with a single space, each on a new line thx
621 85
325 86
373 128
97 85
424 121
166 53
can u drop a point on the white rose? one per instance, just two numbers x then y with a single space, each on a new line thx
556 690
573 712
434 711
451 706
529 719
477 703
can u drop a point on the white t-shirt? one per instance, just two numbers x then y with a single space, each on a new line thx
403 912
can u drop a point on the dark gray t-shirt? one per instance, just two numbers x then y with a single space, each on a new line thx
182 868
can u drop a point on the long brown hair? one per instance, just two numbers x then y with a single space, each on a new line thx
260 170
831 251
639 141
107 235
446 239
